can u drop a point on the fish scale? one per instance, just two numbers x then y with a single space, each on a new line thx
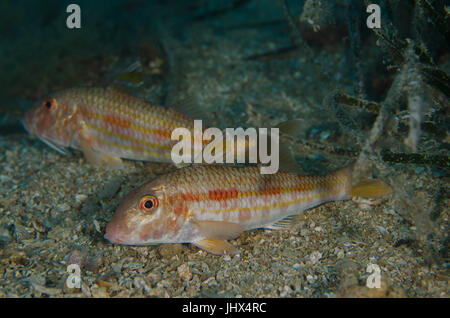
244 195
207 205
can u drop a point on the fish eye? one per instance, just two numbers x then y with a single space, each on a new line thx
148 203
49 103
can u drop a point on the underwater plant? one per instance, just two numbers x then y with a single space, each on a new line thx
389 133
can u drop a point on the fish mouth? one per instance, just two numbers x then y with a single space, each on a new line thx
112 235
112 239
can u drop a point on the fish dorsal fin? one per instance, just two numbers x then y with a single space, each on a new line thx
215 246
285 223
291 127
190 107
287 161
218 229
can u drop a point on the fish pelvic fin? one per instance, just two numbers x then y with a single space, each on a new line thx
366 188
96 158
189 107
215 246
216 233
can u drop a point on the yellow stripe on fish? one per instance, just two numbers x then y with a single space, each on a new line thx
106 125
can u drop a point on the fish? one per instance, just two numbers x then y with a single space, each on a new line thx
106 124
207 205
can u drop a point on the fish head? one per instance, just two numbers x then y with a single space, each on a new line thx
52 120
145 216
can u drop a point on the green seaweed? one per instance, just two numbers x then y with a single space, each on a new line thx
437 15
330 149
369 106
437 78
434 129
439 203
415 158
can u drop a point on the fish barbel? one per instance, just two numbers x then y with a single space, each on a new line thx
207 205
106 125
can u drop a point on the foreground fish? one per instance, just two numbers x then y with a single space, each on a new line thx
207 205
106 125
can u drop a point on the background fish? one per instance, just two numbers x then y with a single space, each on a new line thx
106 125
207 205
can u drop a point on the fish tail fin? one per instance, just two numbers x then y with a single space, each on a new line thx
366 188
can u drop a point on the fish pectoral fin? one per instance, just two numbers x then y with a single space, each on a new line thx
291 127
215 246
218 229
96 158
102 160
283 224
